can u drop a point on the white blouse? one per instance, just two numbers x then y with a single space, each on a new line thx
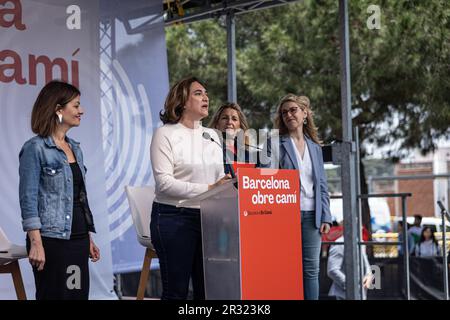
184 163
307 200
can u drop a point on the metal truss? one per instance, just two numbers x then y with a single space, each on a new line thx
215 9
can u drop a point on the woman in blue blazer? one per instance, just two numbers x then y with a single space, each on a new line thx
299 149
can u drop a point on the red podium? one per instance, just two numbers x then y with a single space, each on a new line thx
252 236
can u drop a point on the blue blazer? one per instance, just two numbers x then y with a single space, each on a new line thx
288 160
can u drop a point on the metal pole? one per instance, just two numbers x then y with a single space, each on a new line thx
412 177
348 164
231 56
358 191
113 38
118 280
405 249
345 71
444 252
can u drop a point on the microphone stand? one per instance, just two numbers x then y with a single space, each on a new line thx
207 136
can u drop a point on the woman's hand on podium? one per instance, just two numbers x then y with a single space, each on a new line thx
219 182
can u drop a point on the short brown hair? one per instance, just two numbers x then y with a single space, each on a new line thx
53 96
303 103
176 99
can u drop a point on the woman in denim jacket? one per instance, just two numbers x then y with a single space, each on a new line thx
54 206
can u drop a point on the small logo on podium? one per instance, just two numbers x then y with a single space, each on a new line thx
245 213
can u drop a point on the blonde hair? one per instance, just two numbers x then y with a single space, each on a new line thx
176 99
242 119
303 103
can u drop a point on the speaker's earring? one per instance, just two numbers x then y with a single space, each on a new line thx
305 121
60 118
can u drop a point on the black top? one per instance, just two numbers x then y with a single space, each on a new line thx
79 224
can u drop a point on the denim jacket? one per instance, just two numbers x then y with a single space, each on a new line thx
46 187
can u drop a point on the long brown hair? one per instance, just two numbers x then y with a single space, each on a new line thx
176 99
53 96
309 128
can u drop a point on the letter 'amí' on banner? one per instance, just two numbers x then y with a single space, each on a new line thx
34 62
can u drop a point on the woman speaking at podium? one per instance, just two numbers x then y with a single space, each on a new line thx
185 164
300 149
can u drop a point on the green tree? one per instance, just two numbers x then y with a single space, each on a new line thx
199 50
400 73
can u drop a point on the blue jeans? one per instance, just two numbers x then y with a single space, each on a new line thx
311 243
176 236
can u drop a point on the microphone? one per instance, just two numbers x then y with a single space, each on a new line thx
443 210
207 136
257 148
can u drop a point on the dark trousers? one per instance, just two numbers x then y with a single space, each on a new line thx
66 271
176 236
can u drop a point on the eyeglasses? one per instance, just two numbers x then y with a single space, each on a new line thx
292 111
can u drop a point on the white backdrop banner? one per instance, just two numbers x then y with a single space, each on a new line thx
39 41
134 85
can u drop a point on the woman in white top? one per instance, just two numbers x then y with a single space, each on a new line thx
300 149
184 165
427 246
